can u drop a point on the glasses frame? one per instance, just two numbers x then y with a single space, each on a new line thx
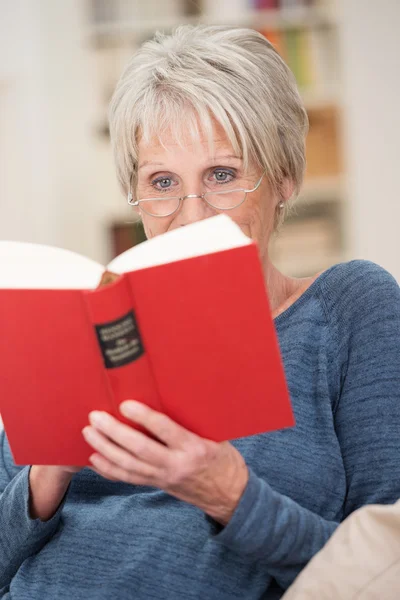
132 202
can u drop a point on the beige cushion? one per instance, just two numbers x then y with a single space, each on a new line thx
361 561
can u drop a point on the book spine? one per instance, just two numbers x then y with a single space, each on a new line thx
275 38
50 374
298 56
305 59
265 4
125 358
292 57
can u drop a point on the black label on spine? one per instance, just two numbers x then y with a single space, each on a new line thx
119 341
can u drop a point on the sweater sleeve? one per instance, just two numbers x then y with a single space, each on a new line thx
21 536
367 416
276 530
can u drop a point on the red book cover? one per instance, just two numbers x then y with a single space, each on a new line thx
193 338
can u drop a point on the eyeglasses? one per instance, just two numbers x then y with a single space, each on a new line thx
166 206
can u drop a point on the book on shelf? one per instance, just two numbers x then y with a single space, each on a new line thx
295 3
275 37
294 46
298 56
180 322
125 235
323 50
279 4
265 4
311 54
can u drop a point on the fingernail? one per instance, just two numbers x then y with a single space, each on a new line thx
129 408
87 432
97 418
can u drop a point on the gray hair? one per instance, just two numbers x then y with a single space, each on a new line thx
232 74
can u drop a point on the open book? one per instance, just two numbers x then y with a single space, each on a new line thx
183 324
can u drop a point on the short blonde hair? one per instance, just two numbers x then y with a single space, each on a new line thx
232 74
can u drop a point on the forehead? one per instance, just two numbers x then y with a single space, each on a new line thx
170 143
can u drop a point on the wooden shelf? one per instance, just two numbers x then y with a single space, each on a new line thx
305 268
320 98
322 189
296 17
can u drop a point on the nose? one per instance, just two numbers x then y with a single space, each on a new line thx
194 208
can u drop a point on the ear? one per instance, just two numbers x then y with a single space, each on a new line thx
129 197
286 189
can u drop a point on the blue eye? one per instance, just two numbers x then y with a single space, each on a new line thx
165 183
223 176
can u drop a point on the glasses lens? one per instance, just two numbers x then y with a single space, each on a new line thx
225 200
159 207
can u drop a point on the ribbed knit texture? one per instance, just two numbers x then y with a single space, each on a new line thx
340 343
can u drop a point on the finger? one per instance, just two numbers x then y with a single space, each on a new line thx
117 455
102 474
137 443
109 470
164 428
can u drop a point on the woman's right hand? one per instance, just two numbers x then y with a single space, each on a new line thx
48 485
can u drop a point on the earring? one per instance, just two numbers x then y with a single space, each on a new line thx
281 205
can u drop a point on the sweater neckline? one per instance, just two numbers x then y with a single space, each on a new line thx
309 291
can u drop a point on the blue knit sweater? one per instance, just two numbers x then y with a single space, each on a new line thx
340 343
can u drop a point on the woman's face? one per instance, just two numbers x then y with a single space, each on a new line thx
178 170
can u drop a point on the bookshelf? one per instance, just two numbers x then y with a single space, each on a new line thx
305 32
116 30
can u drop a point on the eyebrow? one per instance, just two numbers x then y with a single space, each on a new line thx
215 159
150 162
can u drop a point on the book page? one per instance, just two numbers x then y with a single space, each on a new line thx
30 266
36 266
203 237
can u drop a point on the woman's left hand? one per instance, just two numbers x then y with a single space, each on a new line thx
207 474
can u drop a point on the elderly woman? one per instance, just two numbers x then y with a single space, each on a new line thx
210 110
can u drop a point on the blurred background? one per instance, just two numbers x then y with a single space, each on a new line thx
60 60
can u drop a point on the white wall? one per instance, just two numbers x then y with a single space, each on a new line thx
24 135
51 177
371 65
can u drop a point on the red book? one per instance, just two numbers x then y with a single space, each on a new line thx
186 328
